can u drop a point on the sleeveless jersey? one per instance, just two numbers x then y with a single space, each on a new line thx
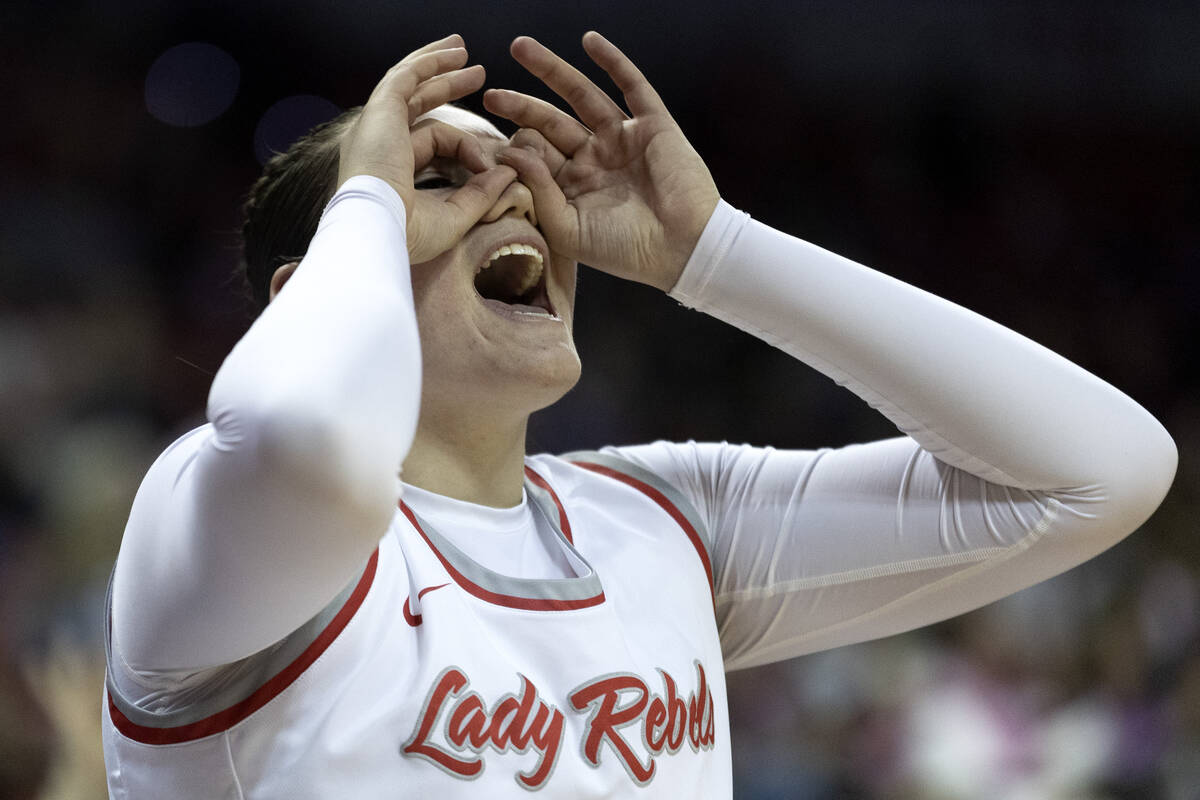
433 677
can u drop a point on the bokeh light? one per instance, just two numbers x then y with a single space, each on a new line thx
288 120
191 84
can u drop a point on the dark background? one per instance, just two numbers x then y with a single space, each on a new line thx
1039 163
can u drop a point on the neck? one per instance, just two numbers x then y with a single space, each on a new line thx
481 463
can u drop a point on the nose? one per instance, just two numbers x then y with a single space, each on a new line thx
516 200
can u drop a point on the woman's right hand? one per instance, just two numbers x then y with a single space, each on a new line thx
382 142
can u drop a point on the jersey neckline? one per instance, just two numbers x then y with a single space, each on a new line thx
529 594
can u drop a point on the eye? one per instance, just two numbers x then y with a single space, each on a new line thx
433 182
441 173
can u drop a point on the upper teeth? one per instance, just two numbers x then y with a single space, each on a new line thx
511 250
516 282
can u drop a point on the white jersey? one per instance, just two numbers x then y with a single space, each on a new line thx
433 676
434 673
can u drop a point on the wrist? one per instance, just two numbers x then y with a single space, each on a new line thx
682 254
709 255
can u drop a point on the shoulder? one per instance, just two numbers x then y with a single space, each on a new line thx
609 477
593 467
686 473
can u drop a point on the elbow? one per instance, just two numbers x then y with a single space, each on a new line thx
1150 471
330 457
1142 469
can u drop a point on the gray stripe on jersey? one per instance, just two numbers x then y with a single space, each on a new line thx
580 588
543 501
225 685
677 498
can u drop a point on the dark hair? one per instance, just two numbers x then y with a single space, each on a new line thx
284 205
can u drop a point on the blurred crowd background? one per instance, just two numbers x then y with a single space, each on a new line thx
1038 162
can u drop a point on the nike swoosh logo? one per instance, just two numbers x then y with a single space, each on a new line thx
409 616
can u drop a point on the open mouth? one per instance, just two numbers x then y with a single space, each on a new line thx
514 275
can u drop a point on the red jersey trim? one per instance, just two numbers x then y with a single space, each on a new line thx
225 719
669 507
563 523
495 598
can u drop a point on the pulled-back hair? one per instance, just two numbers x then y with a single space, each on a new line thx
284 205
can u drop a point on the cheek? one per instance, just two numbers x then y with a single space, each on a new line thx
424 276
432 283
438 304
567 277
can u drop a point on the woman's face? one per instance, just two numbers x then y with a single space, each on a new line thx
497 338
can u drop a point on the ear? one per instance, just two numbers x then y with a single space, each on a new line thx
280 277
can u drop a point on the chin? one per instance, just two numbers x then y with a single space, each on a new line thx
555 385
537 383
512 387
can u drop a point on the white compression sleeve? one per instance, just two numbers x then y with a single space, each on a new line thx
1020 465
244 529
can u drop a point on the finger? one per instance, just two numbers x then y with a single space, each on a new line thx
475 197
586 99
561 129
639 94
553 212
445 43
534 140
405 77
445 88
432 138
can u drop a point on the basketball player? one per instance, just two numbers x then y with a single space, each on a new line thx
353 582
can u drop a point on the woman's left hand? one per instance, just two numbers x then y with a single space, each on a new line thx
625 195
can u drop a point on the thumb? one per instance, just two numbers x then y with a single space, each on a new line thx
438 225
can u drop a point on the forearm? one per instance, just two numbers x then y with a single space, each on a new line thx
975 394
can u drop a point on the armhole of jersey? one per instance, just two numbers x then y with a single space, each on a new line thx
237 690
667 496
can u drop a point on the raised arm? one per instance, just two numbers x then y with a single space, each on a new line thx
1019 466
245 528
